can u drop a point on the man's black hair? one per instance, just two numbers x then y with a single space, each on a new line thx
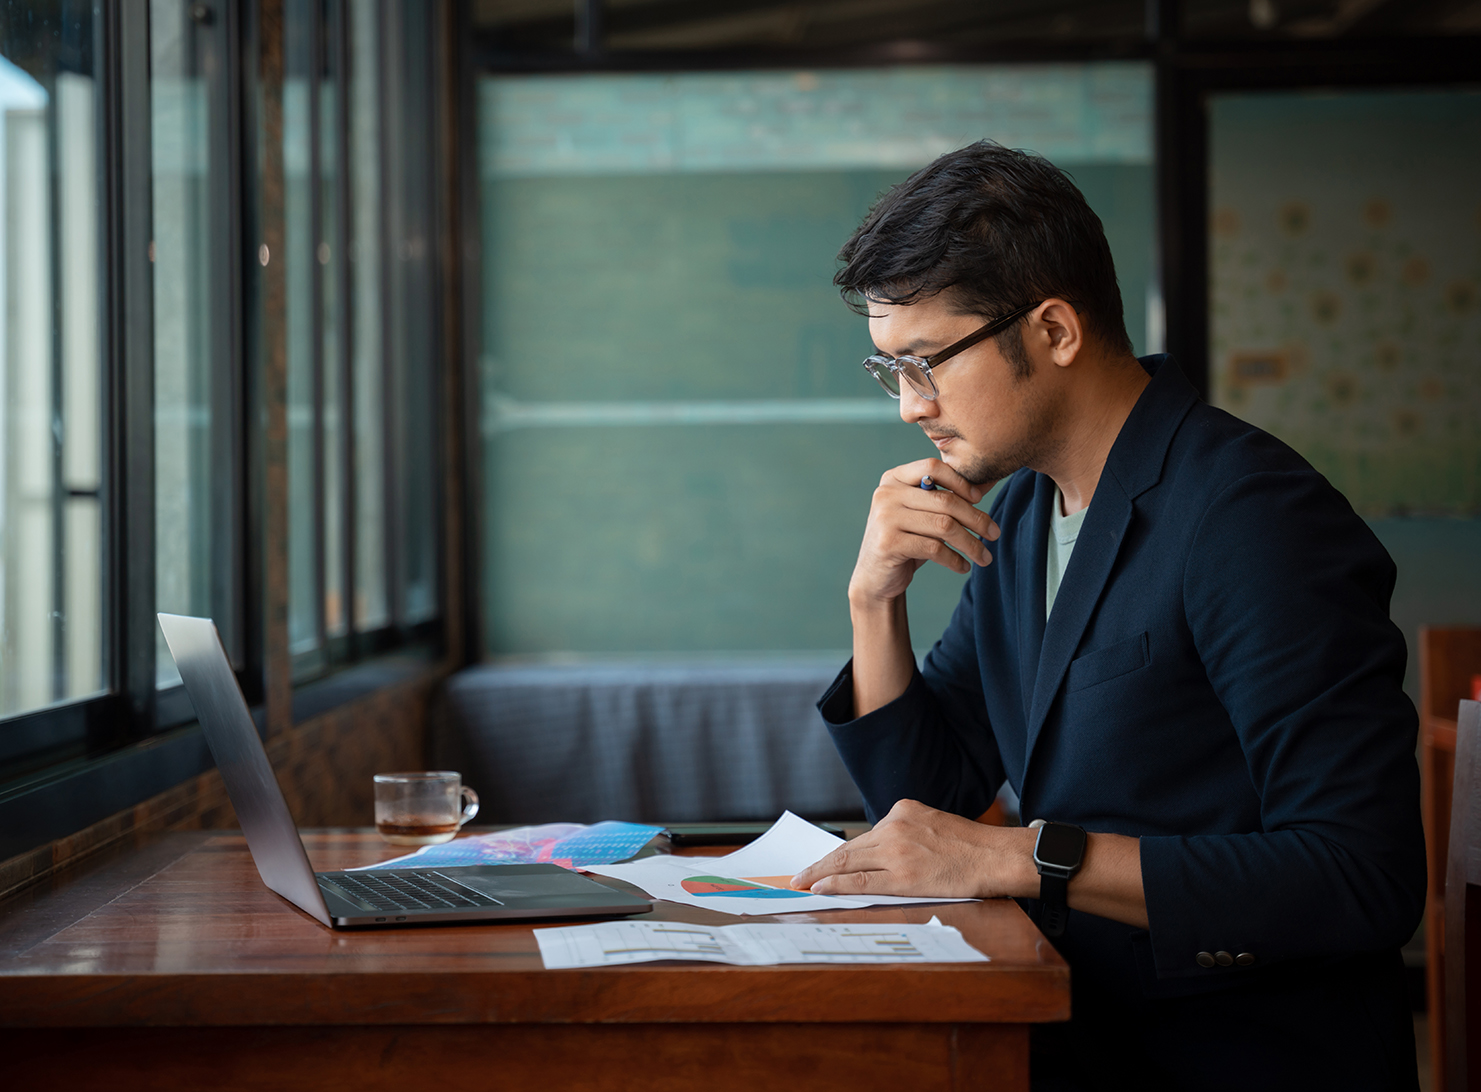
1001 229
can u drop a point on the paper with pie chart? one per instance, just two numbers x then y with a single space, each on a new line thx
753 879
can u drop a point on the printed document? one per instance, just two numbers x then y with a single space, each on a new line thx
610 944
570 845
753 879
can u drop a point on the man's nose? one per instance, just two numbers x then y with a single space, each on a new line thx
914 408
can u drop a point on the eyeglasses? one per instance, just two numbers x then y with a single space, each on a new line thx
917 370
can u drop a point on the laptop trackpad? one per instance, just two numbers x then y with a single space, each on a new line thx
529 881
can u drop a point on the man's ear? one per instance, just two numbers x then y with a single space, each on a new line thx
1062 333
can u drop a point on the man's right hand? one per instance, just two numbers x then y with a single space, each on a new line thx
909 526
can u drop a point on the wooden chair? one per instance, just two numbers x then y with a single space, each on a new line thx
1448 661
1463 910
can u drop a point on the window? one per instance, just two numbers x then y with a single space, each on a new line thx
197 456
363 511
365 289
52 442
679 440
148 152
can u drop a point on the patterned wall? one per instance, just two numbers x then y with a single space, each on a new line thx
1346 285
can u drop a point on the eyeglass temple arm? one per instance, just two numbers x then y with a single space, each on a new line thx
997 326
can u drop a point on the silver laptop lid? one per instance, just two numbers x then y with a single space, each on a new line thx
271 834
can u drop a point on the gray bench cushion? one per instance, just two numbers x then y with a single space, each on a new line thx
645 741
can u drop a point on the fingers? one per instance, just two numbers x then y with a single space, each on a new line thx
939 530
855 883
942 474
837 861
938 517
918 850
957 497
864 866
909 526
940 502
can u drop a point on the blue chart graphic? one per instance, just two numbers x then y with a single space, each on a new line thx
569 845
604 843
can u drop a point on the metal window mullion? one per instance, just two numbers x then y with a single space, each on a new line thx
440 217
468 242
57 630
316 322
389 284
339 43
219 45
129 505
252 531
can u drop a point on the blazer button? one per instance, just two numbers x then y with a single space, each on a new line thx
1205 959
1244 959
1223 959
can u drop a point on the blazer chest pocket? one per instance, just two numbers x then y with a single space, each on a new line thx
1108 663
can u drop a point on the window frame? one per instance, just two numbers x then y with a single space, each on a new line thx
70 764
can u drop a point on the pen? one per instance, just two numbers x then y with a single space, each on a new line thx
927 483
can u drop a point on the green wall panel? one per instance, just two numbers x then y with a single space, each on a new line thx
711 285
689 538
709 289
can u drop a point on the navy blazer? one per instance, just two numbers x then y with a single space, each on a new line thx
1219 677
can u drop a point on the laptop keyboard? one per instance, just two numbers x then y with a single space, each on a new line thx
411 891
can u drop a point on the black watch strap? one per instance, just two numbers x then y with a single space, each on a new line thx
1054 904
1058 853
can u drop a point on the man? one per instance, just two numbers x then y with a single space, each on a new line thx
1182 647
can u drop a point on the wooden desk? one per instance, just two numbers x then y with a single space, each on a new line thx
171 966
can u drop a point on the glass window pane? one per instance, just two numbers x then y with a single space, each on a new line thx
182 322
368 315
51 549
660 327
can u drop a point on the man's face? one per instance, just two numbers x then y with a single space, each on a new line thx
987 422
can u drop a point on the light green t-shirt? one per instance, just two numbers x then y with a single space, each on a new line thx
1063 531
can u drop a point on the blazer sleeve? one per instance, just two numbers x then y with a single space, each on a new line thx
1286 593
933 743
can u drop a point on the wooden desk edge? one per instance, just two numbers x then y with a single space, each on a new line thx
769 995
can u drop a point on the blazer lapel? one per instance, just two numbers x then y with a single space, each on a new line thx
1133 466
1033 542
1084 580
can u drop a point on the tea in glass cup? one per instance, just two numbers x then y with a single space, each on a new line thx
422 807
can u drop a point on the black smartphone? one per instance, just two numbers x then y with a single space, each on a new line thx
726 834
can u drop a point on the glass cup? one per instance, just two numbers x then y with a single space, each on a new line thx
422 808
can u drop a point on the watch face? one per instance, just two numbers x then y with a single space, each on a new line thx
1060 844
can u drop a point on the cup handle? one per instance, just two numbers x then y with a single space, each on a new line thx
470 805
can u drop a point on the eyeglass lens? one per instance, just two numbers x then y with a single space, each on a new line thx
882 373
889 372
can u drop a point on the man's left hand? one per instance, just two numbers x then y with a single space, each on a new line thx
916 850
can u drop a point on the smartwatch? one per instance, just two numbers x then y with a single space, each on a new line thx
1058 853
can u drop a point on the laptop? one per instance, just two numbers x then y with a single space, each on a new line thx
383 897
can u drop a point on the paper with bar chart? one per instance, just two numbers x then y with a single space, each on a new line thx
610 944
753 879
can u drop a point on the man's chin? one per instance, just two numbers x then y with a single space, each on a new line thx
984 470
